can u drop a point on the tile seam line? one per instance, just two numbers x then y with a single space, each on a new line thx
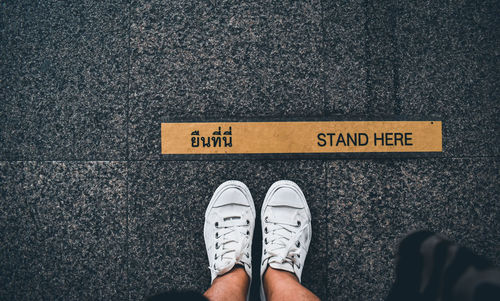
127 233
129 67
395 58
323 58
251 159
367 57
327 240
128 290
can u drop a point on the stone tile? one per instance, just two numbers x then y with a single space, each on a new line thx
475 135
431 61
63 230
381 58
345 64
381 91
168 200
360 57
380 28
449 68
195 60
372 204
64 75
449 84
443 27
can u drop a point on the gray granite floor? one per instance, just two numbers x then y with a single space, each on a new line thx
89 209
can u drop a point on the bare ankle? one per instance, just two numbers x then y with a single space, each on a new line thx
231 286
272 274
283 285
236 274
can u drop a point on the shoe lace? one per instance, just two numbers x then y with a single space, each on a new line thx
232 240
283 245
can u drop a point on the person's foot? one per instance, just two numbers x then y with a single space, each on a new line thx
286 229
228 230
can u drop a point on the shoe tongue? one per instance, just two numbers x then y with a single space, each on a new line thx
280 260
232 218
231 214
231 210
284 215
230 258
234 245
282 233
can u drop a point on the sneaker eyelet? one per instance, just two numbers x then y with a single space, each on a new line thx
248 255
298 265
216 235
265 251
217 245
248 222
265 230
215 256
297 244
298 223
298 255
265 240
216 224
266 219
248 232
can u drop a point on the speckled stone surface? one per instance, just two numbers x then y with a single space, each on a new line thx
431 60
449 61
372 204
360 48
64 80
344 53
82 81
167 205
63 231
193 60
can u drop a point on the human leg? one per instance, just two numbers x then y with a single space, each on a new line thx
283 285
233 285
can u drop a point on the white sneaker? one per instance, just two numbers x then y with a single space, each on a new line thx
228 231
286 229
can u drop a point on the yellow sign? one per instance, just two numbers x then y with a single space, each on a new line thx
301 137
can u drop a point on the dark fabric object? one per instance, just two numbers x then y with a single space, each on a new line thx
178 296
429 267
